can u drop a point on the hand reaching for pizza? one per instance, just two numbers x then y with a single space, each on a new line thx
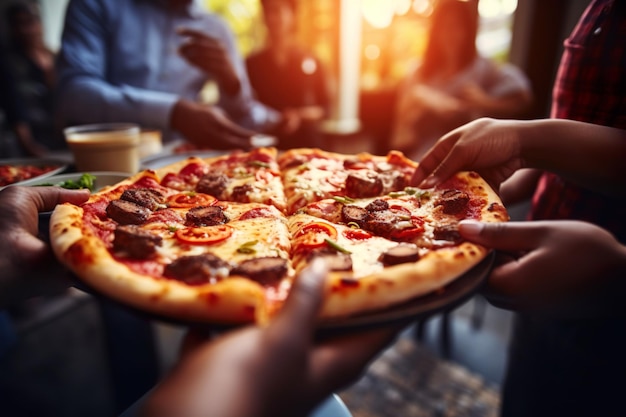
278 370
560 267
586 154
487 146
209 55
28 267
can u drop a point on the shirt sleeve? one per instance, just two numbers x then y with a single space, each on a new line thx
242 107
84 95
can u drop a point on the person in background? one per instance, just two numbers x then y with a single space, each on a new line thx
454 84
146 62
287 77
29 74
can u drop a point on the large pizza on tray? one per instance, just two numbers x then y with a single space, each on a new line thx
221 239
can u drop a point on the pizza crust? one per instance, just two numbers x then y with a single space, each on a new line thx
399 283
231 301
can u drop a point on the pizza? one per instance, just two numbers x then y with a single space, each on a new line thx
11 174
222 239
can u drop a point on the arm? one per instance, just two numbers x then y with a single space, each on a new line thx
278 370
504 93
567 268
587 154
27 264
83 86
480 104
237 100
83 63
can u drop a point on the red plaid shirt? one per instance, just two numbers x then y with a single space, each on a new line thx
590 87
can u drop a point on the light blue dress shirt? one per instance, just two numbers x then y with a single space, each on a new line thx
119 62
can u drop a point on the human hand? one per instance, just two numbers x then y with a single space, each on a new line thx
28 266
279 370
209 55
437 103
490 147
206 125
561 267
475 97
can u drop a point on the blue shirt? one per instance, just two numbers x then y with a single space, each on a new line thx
119 62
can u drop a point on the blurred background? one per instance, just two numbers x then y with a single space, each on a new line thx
369 46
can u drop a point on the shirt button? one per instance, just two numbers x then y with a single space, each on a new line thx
597 31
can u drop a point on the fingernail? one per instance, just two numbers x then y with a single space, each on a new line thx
318 267
471 227
429 182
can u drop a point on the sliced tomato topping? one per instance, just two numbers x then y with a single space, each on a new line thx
258 212
407 234
314 235
399 208
190 199
204 235
357 234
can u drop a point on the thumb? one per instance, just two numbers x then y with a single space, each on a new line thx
47 198
305 298
512 236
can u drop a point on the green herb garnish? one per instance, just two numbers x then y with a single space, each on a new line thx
85 181
247 248
259 164
343 199
336 246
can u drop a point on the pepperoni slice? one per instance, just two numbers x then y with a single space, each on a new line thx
257 212
357 234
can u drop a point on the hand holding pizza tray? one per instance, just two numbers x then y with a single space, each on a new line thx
219 240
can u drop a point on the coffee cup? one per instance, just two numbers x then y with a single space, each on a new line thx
105 147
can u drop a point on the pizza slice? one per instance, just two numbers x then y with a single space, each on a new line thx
180 255
311 175
242 177
392 248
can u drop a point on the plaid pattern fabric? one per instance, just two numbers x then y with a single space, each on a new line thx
590 87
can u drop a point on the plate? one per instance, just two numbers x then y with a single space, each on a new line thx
103 179
158 161
450 297
38 162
